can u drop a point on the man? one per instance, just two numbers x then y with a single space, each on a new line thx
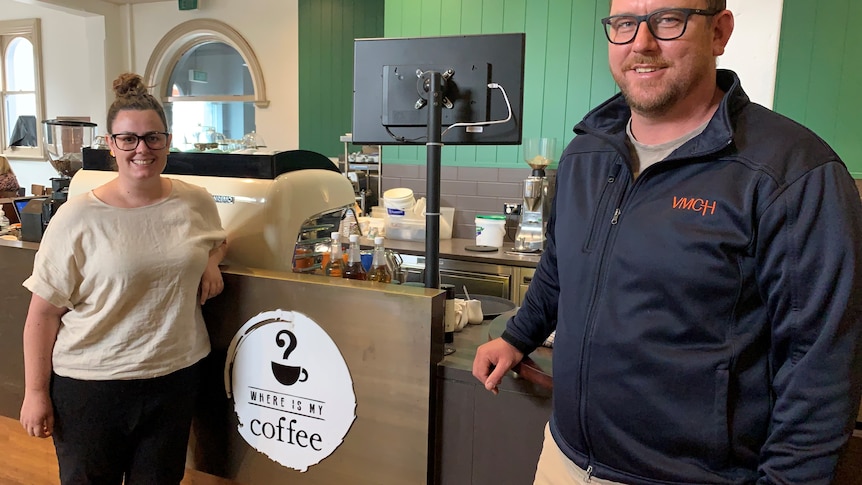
703 274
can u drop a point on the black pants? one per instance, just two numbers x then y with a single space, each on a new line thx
137 430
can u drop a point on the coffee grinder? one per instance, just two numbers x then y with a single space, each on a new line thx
530 237
64 141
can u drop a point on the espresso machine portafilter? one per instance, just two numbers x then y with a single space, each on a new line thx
530 237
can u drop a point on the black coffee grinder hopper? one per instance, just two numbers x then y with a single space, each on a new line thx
64 141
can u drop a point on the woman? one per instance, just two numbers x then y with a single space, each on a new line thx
114 335
8 181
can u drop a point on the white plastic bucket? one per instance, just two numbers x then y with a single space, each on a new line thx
398 201
490 230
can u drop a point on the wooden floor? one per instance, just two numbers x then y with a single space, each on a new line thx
31 461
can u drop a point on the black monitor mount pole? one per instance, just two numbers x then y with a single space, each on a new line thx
434 83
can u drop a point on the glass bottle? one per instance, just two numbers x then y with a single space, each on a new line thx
354 269
335 265
379 269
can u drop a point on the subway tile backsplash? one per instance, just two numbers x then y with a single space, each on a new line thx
469 190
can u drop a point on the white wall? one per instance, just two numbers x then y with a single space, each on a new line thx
64 70
87 43
753 48
270 27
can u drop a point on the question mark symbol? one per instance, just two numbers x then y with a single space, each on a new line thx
280 341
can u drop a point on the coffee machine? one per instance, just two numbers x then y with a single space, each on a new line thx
64 140
530 237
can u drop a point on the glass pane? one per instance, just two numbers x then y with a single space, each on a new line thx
211 69
21 119
203 121
20 70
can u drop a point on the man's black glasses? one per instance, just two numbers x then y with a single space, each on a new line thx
664 24
155 140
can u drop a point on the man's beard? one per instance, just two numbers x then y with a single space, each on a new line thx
655 99
656 105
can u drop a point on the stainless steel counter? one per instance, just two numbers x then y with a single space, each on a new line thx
498 273
455 249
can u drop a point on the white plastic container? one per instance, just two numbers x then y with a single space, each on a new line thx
398 201
490 230
413 229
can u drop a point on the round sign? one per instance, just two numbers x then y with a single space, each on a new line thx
292 390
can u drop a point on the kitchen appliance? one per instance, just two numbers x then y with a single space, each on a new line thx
64 141
364 190
270 205
530 237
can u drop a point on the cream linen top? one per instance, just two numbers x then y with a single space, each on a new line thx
130 279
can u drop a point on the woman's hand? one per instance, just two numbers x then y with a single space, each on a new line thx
37 414
40 333
212 283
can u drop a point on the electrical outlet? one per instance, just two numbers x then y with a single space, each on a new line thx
511 209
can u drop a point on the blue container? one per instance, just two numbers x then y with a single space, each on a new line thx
367 257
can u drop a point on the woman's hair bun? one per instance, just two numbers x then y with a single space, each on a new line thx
129 85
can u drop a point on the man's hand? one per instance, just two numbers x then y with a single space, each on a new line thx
498 355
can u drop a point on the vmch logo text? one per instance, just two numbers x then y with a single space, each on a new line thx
703 206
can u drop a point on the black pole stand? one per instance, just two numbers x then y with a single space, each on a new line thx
432 245
432 184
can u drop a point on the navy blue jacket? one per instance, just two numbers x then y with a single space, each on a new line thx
708 314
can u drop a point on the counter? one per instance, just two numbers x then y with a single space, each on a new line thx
487 438
499 273
455 249
389 336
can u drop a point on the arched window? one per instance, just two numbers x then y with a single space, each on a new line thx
20 88
209 81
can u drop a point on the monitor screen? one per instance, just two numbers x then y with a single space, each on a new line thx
19 206
390 89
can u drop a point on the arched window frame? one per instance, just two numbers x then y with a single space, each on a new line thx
29 29
186 36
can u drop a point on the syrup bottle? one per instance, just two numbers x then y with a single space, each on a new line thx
379 270
354 269
335 265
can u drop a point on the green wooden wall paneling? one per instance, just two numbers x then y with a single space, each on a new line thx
826 58
491 21
565 67
514 14
848 129
794 59
819 73
326 32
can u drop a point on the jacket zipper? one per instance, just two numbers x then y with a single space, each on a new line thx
600 208
592 313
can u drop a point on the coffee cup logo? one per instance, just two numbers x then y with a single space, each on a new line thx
287 375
